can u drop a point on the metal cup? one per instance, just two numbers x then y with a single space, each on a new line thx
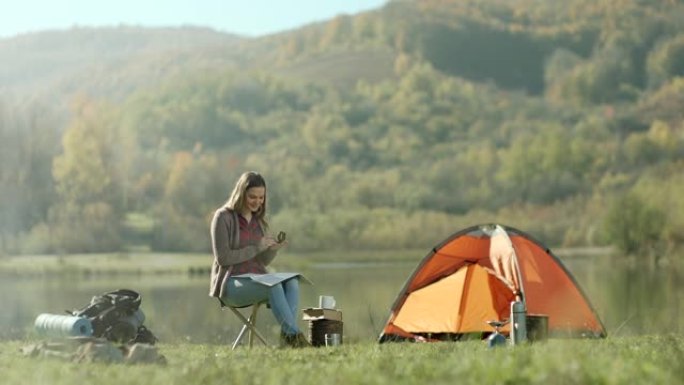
326 302
332 339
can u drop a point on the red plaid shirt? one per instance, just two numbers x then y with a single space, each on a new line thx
250 235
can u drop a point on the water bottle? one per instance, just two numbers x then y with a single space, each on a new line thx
518 322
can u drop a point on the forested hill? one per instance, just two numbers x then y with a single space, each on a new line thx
102 61
390 128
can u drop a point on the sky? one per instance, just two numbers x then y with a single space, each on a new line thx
244 17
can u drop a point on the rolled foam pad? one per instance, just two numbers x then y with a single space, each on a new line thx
56 325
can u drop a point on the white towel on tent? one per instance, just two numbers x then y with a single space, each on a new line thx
503 258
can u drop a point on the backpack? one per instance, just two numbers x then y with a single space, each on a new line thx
116 316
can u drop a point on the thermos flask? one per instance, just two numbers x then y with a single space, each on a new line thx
518 322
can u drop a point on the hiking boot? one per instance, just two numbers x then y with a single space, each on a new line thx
294 340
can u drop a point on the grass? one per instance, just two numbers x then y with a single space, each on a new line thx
113 263
633 360
178 263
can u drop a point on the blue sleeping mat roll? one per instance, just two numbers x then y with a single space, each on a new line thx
56 325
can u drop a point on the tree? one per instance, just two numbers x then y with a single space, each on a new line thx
196 184
28 141
666 61
633 225
90 181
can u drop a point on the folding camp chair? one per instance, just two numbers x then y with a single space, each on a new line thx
248 323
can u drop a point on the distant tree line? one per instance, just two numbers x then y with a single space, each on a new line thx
573 132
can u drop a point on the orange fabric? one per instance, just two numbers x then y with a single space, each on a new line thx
463 284
450 258
459 303
433 308
393 329
549 290
487 299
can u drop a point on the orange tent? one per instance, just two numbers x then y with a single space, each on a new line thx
473 276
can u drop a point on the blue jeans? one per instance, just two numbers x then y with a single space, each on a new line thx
283 298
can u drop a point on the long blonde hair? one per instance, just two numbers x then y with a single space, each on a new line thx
246 181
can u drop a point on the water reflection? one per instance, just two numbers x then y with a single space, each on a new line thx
177 308
630 299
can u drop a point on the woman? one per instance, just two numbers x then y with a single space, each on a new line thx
242 250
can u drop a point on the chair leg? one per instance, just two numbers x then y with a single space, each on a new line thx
252 326
252 321
249 323
239 337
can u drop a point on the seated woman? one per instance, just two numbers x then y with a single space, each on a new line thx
242 249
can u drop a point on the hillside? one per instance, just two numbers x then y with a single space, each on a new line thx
69 60
386 129
342 69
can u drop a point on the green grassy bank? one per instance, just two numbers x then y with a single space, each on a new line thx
183 263
633 360
179 263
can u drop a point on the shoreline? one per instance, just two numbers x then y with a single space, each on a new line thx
195 264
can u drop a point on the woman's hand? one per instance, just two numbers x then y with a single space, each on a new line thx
266 243
269 243
278 245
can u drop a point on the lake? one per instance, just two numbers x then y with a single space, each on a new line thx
629 298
